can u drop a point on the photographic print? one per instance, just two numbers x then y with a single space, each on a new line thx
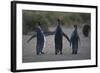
53 36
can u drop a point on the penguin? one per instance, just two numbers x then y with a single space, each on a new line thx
59 38
40 45
74 40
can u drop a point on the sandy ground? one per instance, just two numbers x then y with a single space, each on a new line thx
29 49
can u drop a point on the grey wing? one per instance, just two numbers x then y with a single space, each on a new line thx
33 36
49 33
78 38
66 36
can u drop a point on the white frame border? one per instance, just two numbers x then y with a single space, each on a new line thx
38 65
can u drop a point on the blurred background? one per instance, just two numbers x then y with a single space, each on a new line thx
49 19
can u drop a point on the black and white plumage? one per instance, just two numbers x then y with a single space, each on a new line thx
41 39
